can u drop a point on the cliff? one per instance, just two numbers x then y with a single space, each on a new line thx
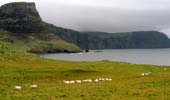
103 40
26 29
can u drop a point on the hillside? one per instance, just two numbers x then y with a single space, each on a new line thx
140 39
21 25
103 40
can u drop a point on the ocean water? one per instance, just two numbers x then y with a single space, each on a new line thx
136 56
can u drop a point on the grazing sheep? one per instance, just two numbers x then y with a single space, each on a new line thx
85 81
66 82
78 81
109 79
18 87
72 82
147 74
33 86
103 79
100 79
96 80
89 80
165 68
142 74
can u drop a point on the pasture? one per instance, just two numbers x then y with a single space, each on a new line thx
127 82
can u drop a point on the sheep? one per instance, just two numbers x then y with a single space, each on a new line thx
146 74
66 82
165 68
72 82
18 87
142 74
100 79
109 79
103 79
96 80
33 86
78 81
89 80
85 81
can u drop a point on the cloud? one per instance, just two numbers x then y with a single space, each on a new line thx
105 15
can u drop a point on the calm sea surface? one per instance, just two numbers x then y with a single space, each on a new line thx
138 56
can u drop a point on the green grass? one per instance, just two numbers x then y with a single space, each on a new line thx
19 68
36 42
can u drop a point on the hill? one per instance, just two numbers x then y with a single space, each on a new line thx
21 25
103 40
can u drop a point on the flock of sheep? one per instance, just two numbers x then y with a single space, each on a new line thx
31 86
148 73
86 81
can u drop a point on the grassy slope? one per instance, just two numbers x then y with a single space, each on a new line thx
127 84
33 42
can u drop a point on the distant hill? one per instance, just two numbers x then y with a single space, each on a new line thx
21 25
103 40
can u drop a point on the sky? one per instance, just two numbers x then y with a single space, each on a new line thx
105 15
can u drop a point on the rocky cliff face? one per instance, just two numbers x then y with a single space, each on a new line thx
98 40
103 40
21 17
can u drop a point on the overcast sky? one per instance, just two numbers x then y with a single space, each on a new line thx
105 15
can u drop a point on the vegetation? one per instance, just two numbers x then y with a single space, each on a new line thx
37 44
18 67
21 25
23 69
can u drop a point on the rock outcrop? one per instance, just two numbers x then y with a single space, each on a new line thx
21 17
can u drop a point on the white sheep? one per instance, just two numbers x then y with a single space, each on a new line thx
100 79
147 74
142 74
89 80
96 80
78 81
85 81
165 68
109 79
33 86
18 87
103 79
72 82
66 82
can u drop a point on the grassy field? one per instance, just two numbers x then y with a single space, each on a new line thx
18 68
127 83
